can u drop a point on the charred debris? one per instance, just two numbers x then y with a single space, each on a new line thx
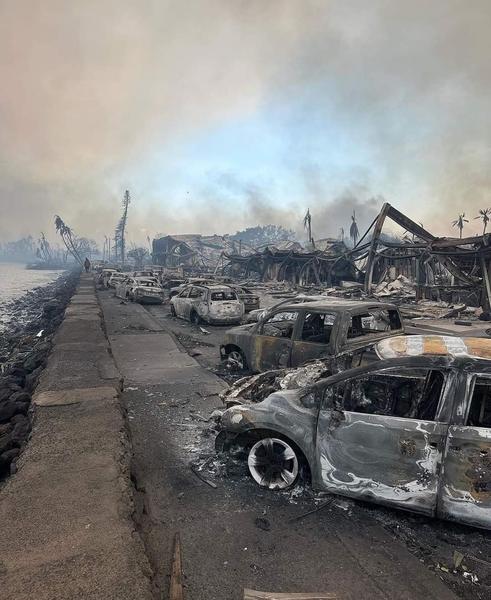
425 275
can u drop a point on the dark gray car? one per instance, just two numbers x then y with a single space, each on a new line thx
291 334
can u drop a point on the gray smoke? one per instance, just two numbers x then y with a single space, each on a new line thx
90 90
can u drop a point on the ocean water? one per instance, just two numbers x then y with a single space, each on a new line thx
16 280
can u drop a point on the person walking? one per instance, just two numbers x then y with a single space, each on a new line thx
87 265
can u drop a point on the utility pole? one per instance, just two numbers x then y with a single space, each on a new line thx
126 201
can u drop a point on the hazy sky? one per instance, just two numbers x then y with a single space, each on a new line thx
218 115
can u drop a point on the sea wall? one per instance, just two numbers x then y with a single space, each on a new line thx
66 514
24 348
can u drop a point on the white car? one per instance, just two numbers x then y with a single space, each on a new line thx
145 290
215 304
115 279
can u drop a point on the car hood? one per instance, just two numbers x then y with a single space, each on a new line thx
240 329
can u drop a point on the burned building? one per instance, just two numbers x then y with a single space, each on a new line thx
299 267
442 268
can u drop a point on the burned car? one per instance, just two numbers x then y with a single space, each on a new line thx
293 333
217 304
411 431
250 300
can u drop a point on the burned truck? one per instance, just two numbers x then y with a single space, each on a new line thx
291 334
411 431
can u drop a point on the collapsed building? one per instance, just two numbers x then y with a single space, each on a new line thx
296 265
442 268
420 264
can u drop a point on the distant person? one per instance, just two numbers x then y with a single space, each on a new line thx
87 265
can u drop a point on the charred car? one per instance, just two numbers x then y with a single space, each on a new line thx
250 300
293 333
216 304
411 431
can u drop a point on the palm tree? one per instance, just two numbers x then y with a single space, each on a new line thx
307 224
459 223
353 230
484 216
68 237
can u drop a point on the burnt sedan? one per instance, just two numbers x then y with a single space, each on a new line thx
411 431
291 334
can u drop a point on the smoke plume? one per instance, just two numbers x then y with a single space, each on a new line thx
91 90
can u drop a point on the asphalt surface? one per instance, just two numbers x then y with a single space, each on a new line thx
235 535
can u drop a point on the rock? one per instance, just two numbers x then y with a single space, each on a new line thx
7 411
5 442
20 431
4 393
33 362
6 459
20 397
6 427
32 379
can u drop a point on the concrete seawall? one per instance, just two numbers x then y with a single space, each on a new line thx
66 516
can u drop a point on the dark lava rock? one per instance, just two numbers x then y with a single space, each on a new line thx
20 397
21 430
4 393
32 379
6 427
6 459
5 442
8 409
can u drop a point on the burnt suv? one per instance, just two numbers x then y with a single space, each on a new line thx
292 334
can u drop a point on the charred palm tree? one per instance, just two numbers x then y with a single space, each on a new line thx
353 230
68 237
307 224
484 216
459 223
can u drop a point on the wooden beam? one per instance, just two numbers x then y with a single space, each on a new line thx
176 591
255 595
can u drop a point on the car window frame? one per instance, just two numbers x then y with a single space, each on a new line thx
470 384
442 413
262 322
299 329
369 338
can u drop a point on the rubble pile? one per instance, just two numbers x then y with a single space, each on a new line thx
256 388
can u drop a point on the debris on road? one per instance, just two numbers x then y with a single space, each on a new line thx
176 591
255 595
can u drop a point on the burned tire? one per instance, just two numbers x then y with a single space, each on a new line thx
236 360
273 463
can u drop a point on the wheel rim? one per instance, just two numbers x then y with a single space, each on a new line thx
236 360
273 464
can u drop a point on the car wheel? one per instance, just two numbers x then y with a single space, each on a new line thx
236 360
173 310
273 464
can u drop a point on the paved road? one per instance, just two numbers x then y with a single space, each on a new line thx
341 548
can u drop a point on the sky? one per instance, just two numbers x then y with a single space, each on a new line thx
219 115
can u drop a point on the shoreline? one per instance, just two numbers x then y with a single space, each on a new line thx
25 344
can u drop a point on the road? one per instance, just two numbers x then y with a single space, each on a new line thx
236 535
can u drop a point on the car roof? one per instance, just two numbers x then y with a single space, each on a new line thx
434 345
334 305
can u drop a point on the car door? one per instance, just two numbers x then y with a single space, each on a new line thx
379 436
196 295
313 337
180 302
272 341
465 493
